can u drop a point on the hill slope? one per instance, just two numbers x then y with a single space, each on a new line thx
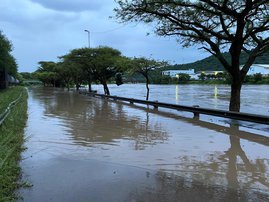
211 63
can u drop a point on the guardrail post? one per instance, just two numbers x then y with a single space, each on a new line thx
196 115
155 106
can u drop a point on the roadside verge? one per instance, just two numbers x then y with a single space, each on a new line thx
11 140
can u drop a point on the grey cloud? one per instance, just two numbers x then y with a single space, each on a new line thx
75 5
45 29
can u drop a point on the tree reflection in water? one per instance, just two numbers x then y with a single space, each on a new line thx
233 169
172 188
98 121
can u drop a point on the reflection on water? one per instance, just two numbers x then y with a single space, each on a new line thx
96 121
216 92
218 162
171 187
177 94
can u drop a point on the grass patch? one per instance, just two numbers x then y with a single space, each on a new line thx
11 141
8 95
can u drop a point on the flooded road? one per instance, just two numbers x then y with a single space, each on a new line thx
89 149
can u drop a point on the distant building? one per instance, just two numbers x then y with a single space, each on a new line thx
254 69
174 73
259 68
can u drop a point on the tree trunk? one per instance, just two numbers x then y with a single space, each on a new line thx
147 86
77 87
235 95
90 85
106 90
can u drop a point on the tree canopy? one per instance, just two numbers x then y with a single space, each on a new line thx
47 73
83 65
98 64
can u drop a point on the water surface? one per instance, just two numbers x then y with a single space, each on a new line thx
254 98
89 149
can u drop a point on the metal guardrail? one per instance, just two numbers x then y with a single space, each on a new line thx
196 110
5 114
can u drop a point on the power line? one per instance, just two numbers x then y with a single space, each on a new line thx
110 30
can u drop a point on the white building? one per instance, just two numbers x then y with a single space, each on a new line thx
174 73
254 69
259 68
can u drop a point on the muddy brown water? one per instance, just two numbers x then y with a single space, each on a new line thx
89 149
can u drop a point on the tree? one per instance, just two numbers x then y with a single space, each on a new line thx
47 73
202 76
27 75
144 66
216 25
8 63
183 78
257 77
220 76
82 59
66 71
95 64
105 64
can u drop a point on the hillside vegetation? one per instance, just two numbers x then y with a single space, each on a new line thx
211 63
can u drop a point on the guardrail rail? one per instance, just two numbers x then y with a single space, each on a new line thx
196 110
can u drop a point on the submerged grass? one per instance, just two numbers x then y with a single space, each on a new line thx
11 141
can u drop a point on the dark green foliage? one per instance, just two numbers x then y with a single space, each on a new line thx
47 73
118 79
202 76
183 78
27 75
256 79
7 61
83 66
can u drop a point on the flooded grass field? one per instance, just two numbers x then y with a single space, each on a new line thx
89 149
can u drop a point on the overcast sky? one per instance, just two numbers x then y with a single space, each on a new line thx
42 30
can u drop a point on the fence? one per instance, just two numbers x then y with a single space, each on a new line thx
5 114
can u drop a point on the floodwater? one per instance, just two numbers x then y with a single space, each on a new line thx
90 149
254 98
